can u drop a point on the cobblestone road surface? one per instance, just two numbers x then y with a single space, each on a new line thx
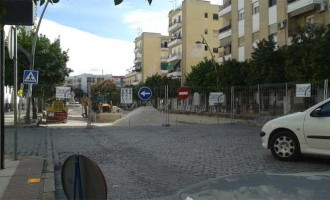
149 162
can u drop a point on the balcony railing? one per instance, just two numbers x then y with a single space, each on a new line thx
226 28
226 4
303 6
173 26
225 9
175 40
174 56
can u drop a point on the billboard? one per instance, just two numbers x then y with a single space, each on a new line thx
126 95
63 92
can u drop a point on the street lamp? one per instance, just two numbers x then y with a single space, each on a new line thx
33 50
204 42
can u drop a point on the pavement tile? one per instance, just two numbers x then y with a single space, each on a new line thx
18 187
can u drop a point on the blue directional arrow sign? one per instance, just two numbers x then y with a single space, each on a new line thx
30 77
145 93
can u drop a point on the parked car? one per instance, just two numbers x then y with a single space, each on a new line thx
299 133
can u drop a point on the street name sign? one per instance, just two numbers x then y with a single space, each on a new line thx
145 93
30 77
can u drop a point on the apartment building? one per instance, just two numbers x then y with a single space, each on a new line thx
82 81
246 22
188 24
132 78
151 53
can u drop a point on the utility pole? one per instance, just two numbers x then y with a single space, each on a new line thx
33 50
2 84
213 59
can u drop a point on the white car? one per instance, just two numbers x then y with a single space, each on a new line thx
299 133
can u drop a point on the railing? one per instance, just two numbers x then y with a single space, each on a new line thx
226 28
173 23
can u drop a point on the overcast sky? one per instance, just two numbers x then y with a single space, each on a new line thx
99 35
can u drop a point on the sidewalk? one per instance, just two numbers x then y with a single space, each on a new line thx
9 120
26 178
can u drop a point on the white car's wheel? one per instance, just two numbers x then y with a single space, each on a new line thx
285 146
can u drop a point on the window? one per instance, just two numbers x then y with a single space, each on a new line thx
206 48
206 31
215 17
272 3
206 15
241 15
255 8
215 50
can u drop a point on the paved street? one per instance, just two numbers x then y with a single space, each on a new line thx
148 162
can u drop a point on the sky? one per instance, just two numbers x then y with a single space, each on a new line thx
99 35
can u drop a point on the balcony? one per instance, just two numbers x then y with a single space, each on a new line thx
222 59
163 59
299 7
175 41
164 47
138 60
224 32
174 57
225 9
174 26
137 49
175 75
224 53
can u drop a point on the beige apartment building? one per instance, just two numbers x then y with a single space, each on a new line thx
151 53
188 24
246 22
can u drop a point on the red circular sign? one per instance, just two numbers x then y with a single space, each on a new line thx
183 93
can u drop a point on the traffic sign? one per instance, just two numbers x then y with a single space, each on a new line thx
145 93
183 93
30 77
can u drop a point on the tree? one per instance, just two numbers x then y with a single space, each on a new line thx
232 73
266 64
50 61
202 75
157 83
307 58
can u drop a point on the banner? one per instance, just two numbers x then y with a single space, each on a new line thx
303 90
216 98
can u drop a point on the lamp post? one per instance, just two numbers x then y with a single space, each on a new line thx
33 50
212 60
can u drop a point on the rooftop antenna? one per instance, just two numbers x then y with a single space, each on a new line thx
174 3
139 30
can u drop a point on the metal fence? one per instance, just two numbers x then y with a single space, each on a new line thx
259 102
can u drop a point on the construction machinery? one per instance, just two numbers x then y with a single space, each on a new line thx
57 112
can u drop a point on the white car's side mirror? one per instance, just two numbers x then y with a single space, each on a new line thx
317 112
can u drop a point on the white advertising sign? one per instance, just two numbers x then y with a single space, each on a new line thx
126 95
303 90
216 98
63 92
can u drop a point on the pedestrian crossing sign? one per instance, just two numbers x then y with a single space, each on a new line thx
30 77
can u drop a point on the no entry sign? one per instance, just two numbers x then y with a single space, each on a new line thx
183 93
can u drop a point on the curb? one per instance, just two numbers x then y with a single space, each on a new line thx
48 174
